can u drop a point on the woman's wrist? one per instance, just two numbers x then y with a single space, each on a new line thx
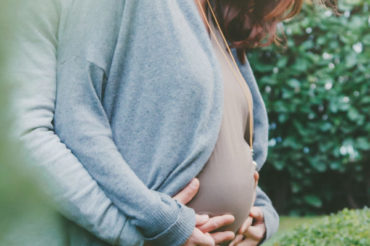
178 232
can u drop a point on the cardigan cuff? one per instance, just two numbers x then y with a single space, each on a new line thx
130 235
179 231
271 223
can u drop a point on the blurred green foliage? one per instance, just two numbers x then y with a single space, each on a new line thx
317 94
349 227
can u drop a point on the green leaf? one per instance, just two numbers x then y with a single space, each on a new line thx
313 200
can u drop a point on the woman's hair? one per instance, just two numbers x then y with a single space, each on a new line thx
252 23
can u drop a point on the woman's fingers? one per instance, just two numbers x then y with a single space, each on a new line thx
189 192
199 238
257 214
201 219
204 240
247 223
256 232
217 222
208 241
247 242
237 240
225 236
252 231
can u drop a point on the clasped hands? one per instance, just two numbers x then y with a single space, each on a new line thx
250 234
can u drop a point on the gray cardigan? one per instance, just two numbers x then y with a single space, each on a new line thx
130 132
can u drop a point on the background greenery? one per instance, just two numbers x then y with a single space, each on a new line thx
349 227
317 94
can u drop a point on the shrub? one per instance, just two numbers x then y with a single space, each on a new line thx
349 227
317 95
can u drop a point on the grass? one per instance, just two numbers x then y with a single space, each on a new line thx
287 224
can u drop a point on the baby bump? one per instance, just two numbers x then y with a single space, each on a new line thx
227 185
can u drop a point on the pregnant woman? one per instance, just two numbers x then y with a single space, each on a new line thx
141 104
144 96
228 182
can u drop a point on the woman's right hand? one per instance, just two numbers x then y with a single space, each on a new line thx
202 235
198 238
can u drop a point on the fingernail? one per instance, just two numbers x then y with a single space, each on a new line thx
194 183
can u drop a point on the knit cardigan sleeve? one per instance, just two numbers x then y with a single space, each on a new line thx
270 215
103 212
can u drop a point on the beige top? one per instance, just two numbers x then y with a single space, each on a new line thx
226 181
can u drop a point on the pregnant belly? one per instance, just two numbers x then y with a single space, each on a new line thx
227 184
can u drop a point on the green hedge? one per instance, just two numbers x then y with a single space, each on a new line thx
317 95
347 228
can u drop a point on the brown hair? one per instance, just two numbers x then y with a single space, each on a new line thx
252 23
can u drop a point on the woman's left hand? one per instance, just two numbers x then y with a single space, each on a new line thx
253 230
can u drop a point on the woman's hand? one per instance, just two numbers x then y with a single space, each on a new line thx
253 230
198 237
204 225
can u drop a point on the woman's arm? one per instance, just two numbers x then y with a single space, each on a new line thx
32 69
82 124
159 218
